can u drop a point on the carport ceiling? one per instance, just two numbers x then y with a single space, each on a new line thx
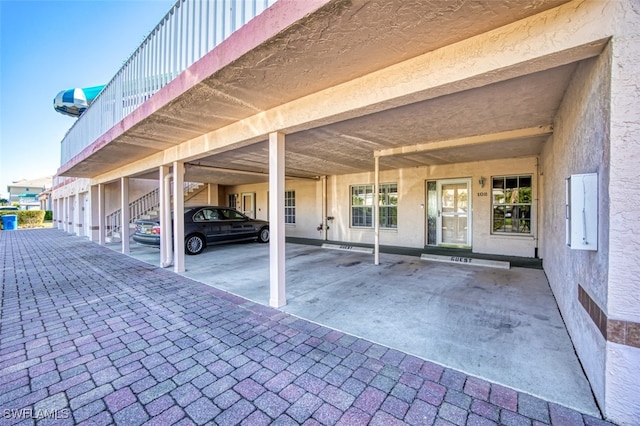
348 146
343 40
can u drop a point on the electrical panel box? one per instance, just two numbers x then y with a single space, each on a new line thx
582 211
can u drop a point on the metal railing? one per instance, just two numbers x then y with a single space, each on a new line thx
137 208
141 207
187 32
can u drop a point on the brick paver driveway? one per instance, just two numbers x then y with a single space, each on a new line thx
90 336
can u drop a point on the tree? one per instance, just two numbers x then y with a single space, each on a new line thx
4 202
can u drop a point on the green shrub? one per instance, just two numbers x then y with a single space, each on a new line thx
48 215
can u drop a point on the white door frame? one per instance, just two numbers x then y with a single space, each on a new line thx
439 236
251 211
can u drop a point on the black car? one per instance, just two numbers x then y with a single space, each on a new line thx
205 225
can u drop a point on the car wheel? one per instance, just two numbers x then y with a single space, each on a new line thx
194 244
263 235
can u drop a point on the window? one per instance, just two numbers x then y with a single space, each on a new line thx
362 205
230 214
233 200
512 198
290 207
389 205
205 215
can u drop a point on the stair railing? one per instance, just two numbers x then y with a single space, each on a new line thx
141 207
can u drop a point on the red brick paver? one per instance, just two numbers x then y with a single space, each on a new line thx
90 336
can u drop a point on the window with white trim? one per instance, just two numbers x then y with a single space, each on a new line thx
512 204
290 207
388 194
362 206
233 198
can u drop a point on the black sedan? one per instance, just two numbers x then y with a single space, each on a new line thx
206 225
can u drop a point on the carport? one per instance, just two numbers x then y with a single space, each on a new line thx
268 105
274 108
500 325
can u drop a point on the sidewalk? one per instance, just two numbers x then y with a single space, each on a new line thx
90 336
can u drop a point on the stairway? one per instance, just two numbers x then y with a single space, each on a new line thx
145 207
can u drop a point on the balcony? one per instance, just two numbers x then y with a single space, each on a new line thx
191 29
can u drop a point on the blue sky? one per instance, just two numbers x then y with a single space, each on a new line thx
47 46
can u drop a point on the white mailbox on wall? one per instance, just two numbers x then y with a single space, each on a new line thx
582 211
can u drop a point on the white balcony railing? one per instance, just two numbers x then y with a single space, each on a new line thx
187 32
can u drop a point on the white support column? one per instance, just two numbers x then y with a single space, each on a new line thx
72 214
324 221
212 194
56 213
101 215
178 216
94 226
277 297
166 249
124 214
67 215
376 212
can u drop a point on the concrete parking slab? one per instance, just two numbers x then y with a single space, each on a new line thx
500 325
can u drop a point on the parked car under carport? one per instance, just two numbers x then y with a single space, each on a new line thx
204 226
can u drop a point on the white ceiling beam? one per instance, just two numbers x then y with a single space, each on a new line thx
243 172
508 135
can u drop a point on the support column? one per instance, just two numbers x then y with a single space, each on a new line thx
125 215
101 215
212 194
178 216
277 296
67 219
324 221
94 204
376 213
166 249
56 213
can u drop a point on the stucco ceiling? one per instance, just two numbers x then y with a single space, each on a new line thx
341 41
347 146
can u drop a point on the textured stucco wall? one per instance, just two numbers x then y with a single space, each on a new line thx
308 204
623 302
624 292
580 144
411 200
411 182
597 129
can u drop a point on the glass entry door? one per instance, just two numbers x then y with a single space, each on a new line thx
454 213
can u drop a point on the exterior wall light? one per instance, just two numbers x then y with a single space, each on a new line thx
481 181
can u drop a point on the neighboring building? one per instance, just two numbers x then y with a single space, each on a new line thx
25 192
44 199
410 124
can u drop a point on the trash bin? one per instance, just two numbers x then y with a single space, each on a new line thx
10 222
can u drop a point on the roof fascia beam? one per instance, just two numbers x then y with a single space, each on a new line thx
244 172
466 141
